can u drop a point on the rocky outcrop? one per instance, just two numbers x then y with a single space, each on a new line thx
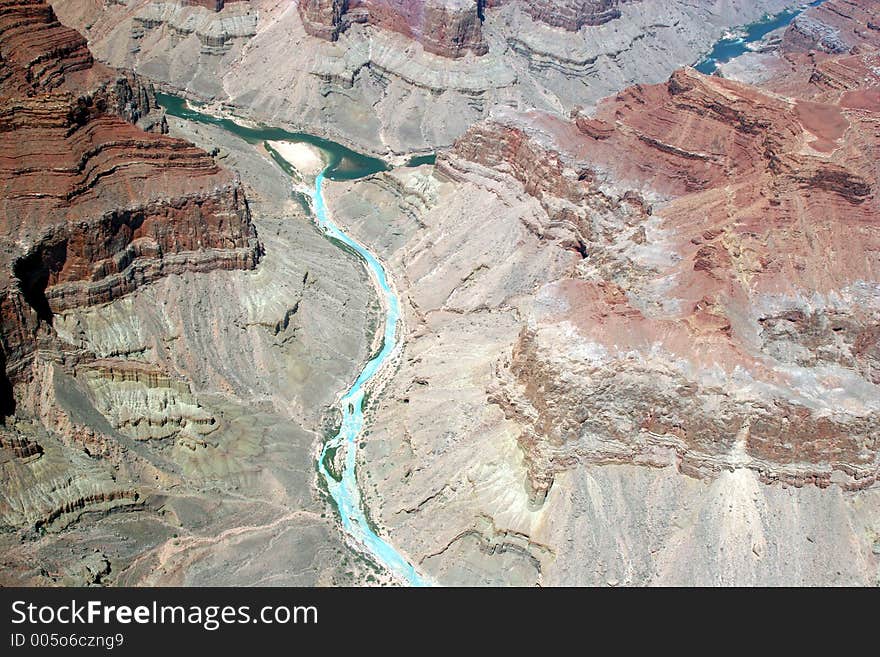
215 28
213 5
322 18
145 403
570 15
93 205
630 362
97 201
835 26
378 90
444 27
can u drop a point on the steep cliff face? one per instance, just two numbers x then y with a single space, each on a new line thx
444 27
364 84
213 5
670 304
765 209
322 18
94 206
138 421
107 436
96 202
570 15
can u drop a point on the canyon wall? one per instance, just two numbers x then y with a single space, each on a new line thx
443 27
670 306
150 431
395 78
93 205
570 15
835 26
448 28
668 297
98 201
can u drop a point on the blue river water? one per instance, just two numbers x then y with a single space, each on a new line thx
343 164
346 164
345 492
729 48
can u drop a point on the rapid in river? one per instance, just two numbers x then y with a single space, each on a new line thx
344 164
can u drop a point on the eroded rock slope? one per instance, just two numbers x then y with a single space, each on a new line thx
138 444
396 77
670 312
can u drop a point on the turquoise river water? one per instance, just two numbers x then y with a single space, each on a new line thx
738 44
343 164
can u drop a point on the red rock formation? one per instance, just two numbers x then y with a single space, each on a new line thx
765 198
570 15
835 26
444 27
93 206
322 18
213 5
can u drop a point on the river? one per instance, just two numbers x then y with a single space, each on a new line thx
738 43
343 164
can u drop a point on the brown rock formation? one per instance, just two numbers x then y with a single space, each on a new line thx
213 5
835 26
570 15
711 357
444 27
92 205
322 18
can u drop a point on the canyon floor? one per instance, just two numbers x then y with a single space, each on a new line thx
641 304
261 354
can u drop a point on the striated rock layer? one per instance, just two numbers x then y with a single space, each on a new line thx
671 308
96 202
384 85
444 27
835 26
570 15
153 434
768 204
93 205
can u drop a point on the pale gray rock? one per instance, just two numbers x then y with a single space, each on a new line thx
381 92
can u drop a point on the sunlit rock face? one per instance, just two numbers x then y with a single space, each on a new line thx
570 15
672 336
746 342
835 26
444 27
97 202
94 205
393 77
